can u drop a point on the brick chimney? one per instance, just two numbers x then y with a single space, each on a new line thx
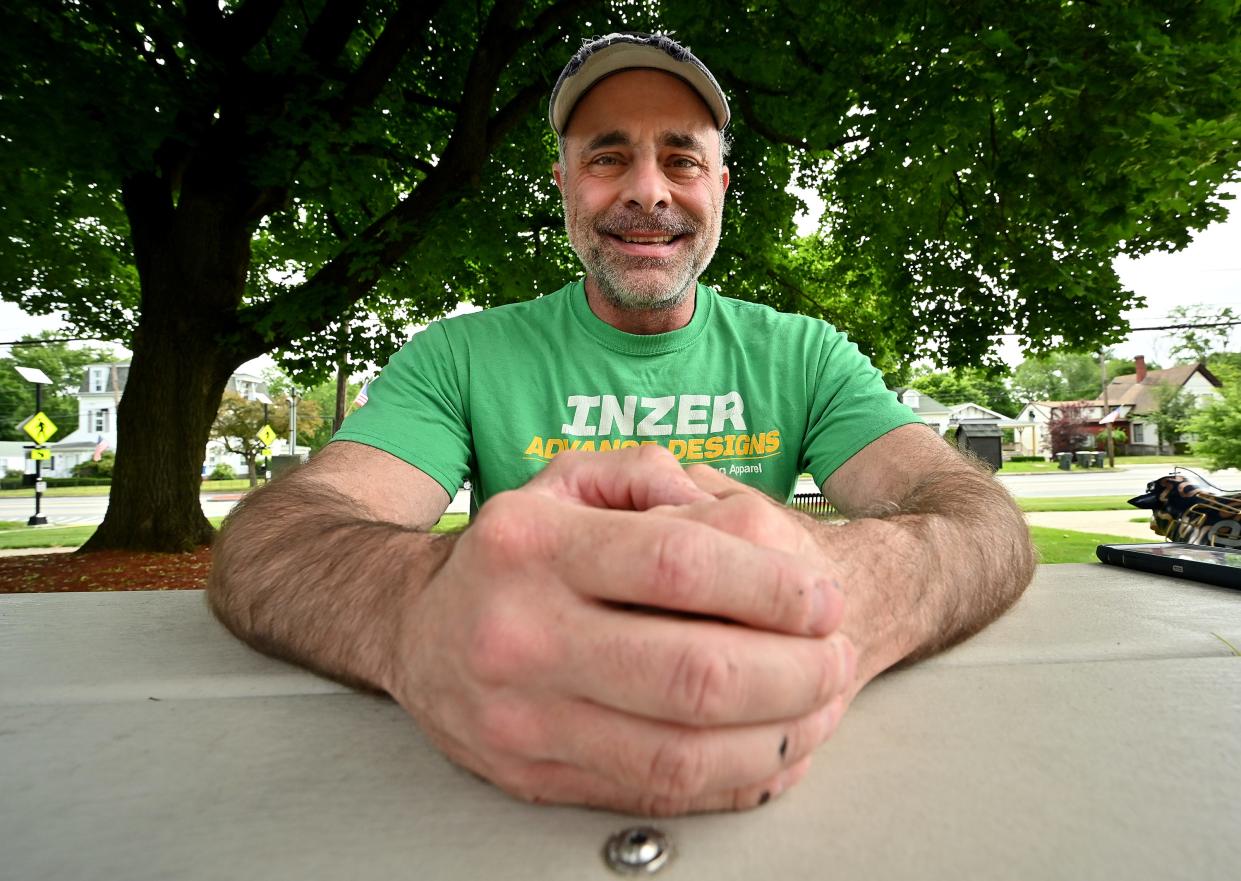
1139 364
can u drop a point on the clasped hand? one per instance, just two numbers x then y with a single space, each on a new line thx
626 634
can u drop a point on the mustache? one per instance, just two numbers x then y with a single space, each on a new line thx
667 222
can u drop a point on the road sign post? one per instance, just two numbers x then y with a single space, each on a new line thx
40 428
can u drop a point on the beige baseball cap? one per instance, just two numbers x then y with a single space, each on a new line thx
605 56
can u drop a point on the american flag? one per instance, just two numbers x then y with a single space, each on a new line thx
99 448
361 398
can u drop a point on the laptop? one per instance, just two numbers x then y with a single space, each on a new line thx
1213 565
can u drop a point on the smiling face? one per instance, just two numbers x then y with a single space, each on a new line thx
643 187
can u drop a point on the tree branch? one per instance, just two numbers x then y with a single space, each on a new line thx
514 112
745 101
423 100
329 33
250 23
376 69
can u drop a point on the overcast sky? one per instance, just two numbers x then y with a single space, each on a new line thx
1208 272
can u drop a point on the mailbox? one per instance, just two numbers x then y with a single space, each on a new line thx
984 440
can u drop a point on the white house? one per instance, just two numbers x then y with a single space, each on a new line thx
98 397
944 418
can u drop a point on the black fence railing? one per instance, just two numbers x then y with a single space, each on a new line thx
814 505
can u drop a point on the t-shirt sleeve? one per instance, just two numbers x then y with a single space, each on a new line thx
415 411
850 407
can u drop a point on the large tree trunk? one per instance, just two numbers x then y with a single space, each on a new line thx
163 420
192 261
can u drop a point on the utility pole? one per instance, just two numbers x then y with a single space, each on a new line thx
1111 426
292 422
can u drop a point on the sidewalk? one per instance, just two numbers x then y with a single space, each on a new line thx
1108 522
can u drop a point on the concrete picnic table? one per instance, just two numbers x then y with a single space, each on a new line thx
1093 732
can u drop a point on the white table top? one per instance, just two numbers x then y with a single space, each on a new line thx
1093 732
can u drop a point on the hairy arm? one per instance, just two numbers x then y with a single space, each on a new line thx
314 567
935 548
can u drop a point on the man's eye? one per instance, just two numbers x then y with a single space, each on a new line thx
604 160
684 162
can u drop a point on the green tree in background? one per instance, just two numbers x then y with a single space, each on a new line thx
211 181
1176 407
1059 376
239 421
1214 328
63 365
1217 423
969 384
318 400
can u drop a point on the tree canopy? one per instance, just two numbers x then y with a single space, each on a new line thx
211 181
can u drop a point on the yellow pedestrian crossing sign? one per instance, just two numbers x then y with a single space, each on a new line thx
40 427
42 453
266 435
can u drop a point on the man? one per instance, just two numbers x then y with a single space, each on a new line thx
615 628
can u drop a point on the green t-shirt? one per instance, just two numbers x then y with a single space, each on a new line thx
758 394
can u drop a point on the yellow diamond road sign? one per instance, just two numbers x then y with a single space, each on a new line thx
266 435
40 427
40 453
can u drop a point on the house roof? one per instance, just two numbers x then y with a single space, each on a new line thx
926 404
1126 390
114 380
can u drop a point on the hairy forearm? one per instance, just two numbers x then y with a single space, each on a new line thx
932 568
301 573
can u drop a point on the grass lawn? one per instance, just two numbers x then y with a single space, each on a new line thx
1065 546
1121 462
1077 503
15 534
209 486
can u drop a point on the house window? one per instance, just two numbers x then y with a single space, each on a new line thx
1139 432
100 420
97 377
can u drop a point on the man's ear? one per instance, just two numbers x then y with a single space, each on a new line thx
724 178
558 176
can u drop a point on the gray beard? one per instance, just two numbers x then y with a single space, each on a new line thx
611 283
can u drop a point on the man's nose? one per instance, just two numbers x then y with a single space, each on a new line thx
646 185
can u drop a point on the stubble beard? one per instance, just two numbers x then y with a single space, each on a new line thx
642 284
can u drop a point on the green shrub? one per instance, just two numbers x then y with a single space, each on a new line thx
102 468
223 471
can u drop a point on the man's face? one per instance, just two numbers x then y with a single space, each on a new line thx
643 187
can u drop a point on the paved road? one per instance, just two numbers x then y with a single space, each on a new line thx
77 510
1131 480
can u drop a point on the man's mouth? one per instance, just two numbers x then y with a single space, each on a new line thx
638 239
646 244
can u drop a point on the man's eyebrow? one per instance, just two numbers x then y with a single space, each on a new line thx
683 141
615 138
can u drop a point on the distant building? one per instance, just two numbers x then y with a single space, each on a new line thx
98 397
944 418
1130 400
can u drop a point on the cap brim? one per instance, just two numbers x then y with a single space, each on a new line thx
632 56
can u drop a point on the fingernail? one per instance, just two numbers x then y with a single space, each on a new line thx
784 745
764 798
